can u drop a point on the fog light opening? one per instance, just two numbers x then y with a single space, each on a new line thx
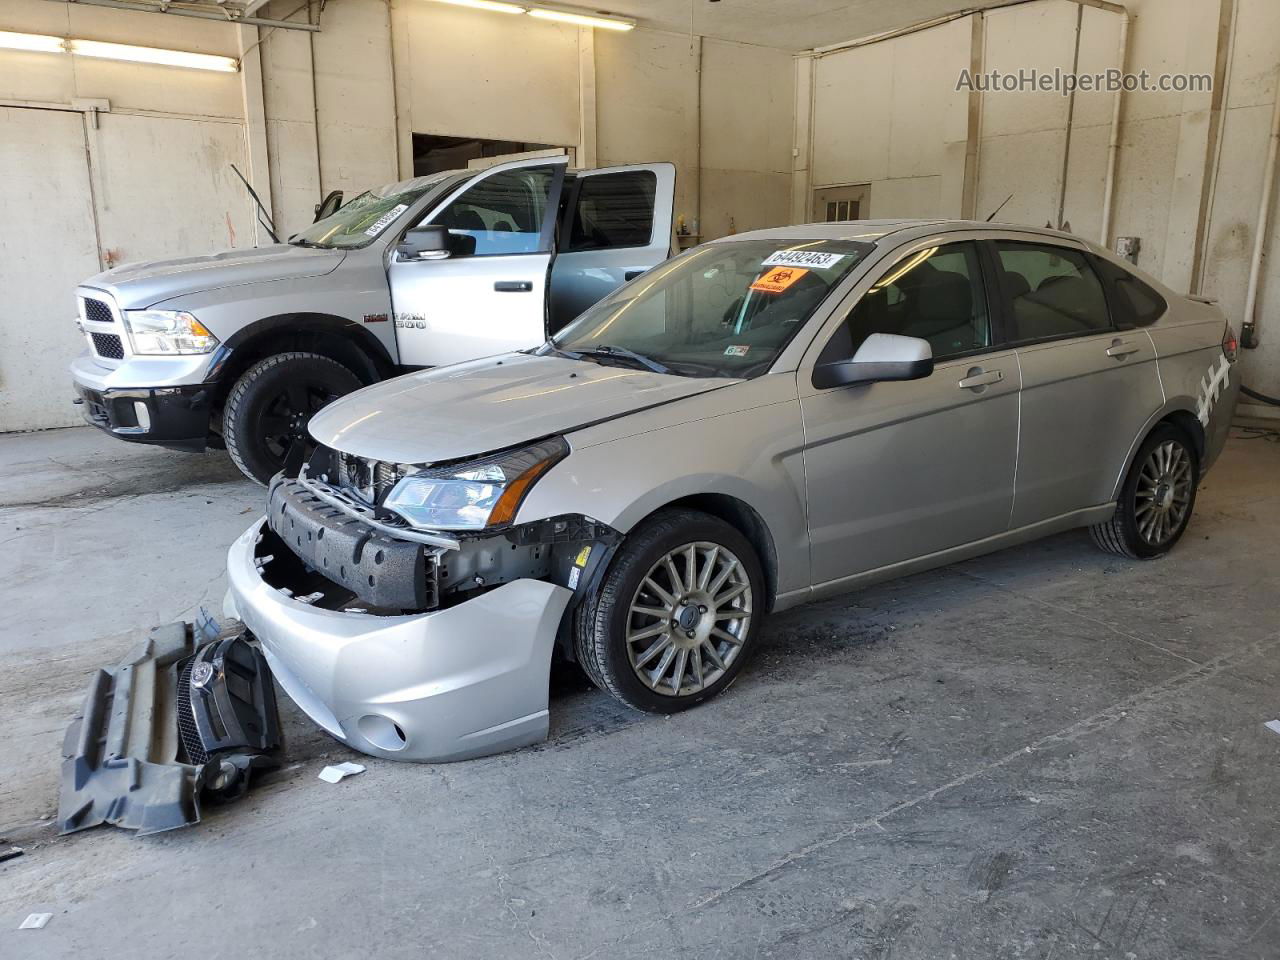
383 733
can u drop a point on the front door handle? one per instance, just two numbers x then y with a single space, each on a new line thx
977 378
1119 349
513 286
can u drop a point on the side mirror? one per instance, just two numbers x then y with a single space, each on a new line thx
430 242
882 356
329 205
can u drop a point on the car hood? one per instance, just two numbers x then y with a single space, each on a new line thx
148 282
483 405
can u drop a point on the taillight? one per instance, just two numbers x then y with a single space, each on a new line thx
1230 345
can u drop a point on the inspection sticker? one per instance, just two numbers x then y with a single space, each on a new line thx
802 258
583 556
377 226
736 351
778 279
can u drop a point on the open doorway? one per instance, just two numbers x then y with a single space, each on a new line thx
433 153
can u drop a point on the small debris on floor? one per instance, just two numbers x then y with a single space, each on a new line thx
35 921
335 773
1273 726
8 853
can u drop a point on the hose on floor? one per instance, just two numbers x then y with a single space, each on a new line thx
1260 397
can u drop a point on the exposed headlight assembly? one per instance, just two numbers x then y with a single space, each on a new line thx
472 496
167 332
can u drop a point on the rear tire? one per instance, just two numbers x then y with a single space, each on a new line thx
1156 499
271 404
677 613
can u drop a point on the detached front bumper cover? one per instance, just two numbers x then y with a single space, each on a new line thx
178 720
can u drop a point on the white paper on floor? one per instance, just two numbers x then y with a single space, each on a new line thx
335 773
1273 726
35 921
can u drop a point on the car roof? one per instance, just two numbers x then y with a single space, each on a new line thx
874 231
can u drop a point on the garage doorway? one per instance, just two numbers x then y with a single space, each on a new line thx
834 204
433 153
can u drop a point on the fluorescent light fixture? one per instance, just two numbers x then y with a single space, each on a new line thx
493 6
168 58
32 41
581 19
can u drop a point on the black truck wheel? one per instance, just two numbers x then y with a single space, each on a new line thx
268 409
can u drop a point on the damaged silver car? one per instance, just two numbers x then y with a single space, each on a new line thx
771 418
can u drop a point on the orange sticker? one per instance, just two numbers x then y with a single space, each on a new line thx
778 279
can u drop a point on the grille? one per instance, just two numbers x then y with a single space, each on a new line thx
371 479
107 345
186 718
97 311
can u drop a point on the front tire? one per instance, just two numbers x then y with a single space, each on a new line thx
1156 499
269 407
677 613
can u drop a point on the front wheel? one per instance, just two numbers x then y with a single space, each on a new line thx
269 407
677 613
1156 499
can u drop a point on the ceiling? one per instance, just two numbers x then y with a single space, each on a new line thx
789 24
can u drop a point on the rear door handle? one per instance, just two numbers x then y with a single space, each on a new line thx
977 378
513 286
1119 349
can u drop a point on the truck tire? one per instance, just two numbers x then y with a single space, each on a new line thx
269 407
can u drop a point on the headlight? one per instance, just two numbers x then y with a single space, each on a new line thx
167 332
471 496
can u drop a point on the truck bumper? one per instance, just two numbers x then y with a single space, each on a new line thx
168 411
451 684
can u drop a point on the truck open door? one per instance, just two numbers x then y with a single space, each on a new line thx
615 226
488 294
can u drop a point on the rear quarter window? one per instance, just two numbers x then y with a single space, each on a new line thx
1134 303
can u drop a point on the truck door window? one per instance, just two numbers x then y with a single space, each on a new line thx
613 210
503 212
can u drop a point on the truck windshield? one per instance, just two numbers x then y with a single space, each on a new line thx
359 222
722 310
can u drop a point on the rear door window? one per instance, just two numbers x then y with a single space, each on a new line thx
1134 303
1051 291
613 210
935 294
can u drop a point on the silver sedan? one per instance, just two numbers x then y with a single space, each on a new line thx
768 419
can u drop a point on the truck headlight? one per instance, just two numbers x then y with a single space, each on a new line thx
471 496
167 332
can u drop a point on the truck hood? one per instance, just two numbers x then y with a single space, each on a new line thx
149 282
483 405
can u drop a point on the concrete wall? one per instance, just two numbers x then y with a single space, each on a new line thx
1188 182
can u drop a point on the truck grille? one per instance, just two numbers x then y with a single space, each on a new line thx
97 311
107 345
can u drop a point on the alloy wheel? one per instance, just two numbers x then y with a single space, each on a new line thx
688 619
1163 494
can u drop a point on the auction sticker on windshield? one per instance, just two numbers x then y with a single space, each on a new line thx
778 279
802 258
377 226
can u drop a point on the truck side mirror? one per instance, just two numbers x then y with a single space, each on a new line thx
429 242
329 205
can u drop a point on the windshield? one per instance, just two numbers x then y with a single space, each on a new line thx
358 223
721 310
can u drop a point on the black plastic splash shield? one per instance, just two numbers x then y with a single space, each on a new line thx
176 721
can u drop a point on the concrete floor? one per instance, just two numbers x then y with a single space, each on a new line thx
1048 752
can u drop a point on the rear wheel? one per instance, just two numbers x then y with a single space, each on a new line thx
677 613
269 407
1156 499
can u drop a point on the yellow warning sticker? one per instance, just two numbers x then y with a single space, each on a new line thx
583 556
778 279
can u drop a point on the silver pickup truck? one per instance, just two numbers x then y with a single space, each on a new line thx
241 348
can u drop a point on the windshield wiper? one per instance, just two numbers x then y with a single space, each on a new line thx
308 243
622 352
560 351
